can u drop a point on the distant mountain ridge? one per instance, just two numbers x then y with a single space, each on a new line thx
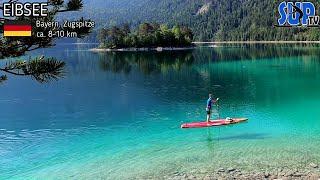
210 20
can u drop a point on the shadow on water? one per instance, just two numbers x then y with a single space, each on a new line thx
212 140
245 136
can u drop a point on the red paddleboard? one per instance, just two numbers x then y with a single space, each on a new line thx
218 122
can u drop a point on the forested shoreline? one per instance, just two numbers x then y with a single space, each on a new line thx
147 35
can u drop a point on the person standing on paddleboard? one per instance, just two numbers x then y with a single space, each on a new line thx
210 102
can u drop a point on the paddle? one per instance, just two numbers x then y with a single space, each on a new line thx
217 100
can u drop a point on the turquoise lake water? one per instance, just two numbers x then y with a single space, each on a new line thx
118 115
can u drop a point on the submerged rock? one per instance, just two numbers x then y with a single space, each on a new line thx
289 173
231 169
233 173
273 177
297 174
176 173
313 165
185 176
221 170
313 177
208 177
266 174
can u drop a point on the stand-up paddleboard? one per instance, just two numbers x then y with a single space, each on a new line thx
218 122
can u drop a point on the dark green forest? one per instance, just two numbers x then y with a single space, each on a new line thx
147 35
210 20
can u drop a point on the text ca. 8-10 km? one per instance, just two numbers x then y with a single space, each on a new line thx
57 30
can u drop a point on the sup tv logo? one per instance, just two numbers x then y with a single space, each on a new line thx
297 14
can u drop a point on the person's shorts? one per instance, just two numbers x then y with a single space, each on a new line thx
208 111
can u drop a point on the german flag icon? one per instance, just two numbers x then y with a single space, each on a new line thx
17 29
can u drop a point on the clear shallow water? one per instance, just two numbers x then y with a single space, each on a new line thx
117 115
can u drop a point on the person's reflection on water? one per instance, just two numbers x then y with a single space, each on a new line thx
211 142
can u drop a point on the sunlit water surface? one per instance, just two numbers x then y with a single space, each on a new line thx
118 115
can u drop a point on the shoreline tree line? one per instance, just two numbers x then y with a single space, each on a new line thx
146 35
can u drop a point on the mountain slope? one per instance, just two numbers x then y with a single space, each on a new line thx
209 19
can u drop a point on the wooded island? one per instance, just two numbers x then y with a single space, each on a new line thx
146 35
